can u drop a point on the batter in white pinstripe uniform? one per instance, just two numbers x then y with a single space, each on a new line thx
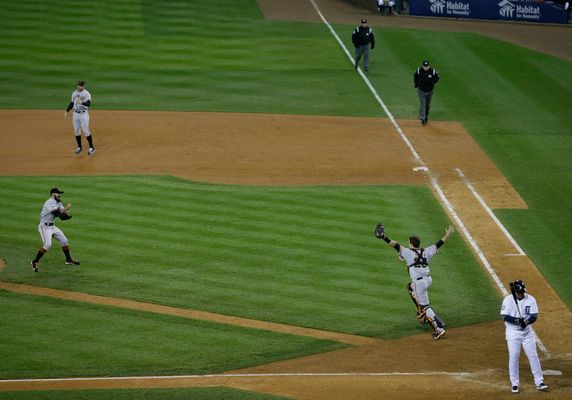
53 208
518 314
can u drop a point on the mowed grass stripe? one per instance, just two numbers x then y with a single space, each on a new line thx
252 259
80 339
140 48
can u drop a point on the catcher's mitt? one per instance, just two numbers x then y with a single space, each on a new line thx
65 217
379 231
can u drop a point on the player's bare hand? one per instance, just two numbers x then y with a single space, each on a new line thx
65 114
450 229
68 206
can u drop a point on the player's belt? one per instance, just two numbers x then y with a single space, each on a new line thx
418 279
49 223
79 112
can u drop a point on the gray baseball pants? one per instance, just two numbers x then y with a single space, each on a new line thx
424 102
363 50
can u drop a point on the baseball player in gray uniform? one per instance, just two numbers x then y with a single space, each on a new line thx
53 208
418 259
519 310
80 102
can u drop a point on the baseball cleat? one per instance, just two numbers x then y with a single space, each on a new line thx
34 266
438 334
78 150
514 389
91 151
542 387
71 261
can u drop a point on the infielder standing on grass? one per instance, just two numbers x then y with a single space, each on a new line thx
80 102
519 310
417 259
53 208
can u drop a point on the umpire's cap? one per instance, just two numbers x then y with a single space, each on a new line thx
519 286
56 190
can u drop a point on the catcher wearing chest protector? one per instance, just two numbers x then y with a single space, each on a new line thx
417 259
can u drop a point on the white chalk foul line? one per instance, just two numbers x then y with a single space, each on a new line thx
418 159
469 237
261 375
485 206
371 88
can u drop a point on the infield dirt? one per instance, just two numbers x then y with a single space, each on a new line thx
256 149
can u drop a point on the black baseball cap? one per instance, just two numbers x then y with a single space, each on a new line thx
81 83
425 63
56 190
364 21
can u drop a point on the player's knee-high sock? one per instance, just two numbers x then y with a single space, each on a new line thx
78 140
89 140
41 252
66 251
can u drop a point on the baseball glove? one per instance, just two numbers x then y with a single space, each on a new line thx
65 217
379 231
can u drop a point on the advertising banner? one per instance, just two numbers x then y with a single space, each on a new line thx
510 10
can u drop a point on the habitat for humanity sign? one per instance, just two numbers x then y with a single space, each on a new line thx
515 10
450 8
518 9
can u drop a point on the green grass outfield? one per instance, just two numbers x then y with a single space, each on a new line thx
147 394
51 338
301 256
194 55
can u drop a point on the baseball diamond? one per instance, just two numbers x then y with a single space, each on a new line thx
224 226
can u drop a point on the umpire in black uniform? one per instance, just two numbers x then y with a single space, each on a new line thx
425 79
362 37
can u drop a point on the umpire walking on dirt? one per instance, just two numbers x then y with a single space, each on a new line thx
425 79
363 38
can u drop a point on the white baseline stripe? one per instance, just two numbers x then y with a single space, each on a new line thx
469 237
418 159
292 374
371 88
490 212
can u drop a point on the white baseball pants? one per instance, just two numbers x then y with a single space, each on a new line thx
528 342
81 123
46 232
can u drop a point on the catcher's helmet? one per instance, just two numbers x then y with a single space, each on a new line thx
519 286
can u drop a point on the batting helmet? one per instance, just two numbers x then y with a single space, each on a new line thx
519 286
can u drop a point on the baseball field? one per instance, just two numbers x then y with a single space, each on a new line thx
225 224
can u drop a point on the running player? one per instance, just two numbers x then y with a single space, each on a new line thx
417 259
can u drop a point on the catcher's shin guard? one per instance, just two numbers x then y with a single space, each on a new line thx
432 318
420 309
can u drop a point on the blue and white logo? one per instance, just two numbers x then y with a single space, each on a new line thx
506 9
437 6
